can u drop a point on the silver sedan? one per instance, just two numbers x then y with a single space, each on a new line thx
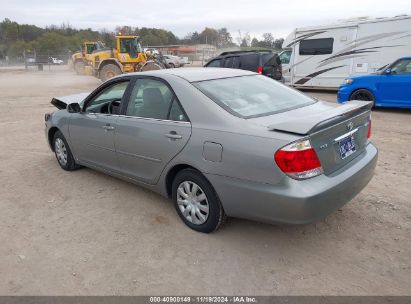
219 142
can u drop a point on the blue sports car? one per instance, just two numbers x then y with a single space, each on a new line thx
390 87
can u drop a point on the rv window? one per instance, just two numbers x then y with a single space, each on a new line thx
316 46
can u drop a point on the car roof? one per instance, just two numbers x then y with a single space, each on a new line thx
406 57
196 74
246 52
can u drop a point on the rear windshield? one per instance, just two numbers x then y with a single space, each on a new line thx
250 62
271 60
252 96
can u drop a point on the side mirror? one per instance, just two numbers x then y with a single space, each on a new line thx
74 108
388 71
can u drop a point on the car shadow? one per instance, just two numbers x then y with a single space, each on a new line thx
392 110
157 213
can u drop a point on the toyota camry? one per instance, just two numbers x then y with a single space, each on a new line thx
219 142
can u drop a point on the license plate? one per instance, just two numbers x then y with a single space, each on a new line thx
347 147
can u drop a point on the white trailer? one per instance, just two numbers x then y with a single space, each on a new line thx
322 57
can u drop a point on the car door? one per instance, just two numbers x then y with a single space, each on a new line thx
395 84
152 131
92 130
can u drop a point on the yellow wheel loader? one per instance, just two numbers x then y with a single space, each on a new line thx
80 59
127 57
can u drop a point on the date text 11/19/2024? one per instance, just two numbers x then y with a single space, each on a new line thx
204 299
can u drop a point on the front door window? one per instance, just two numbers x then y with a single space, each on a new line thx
108 100
403 66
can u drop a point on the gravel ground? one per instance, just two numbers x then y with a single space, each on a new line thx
85 233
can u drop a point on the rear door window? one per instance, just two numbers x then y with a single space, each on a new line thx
250 62
236 62
228 62
150 98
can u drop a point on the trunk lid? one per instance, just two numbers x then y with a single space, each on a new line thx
62 102
327 125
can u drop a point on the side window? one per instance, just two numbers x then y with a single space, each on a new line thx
112 94
236 62
228 62
214 64
403 66
316 46
152 98
285 57
176 112
250 62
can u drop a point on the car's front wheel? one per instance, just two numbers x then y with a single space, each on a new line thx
63 153
362 94
196 202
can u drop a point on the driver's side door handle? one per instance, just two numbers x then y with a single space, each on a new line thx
173 135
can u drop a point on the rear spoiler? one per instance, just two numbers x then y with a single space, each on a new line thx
62 102
323 119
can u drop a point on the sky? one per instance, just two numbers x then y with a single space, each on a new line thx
181 17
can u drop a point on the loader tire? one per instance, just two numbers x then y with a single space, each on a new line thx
109 71
79 67
150 66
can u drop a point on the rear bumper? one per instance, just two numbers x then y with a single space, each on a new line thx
292 201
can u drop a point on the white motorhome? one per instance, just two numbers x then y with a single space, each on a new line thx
323 56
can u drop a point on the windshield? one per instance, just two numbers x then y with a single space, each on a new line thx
285 57
131 46
252 96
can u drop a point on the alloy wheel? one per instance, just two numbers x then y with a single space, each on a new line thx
61 151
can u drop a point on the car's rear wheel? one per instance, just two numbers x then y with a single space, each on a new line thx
196 202
63 153
362 94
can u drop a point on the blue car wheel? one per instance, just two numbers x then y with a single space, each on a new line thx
362 94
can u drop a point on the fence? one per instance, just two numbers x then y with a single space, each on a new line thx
31 59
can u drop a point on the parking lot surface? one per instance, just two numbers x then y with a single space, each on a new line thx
85 233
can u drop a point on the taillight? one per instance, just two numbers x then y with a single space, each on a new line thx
260 70
298 160
369 129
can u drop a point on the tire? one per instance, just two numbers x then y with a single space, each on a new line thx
172 66
362 94
79 67
61 149
109 71
151 66
208 214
